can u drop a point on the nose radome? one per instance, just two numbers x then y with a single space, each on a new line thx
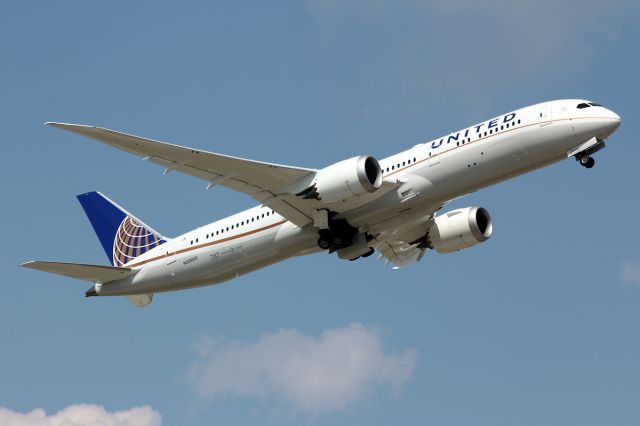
614 116
611 121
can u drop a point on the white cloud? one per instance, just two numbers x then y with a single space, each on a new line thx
82 415
631 271
310 375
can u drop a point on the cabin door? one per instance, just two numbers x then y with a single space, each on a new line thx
170 253
544 116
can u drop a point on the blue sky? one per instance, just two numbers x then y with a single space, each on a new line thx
537 326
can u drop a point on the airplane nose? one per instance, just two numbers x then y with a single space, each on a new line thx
611 122
614 116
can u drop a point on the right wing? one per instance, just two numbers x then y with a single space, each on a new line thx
400 253
403 240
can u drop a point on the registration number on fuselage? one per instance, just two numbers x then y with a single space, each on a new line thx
190 260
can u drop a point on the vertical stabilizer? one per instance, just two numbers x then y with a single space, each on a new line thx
122 235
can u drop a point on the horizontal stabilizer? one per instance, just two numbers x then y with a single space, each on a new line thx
94 273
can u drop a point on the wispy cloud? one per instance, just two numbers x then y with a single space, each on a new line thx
82 415
307 374
631 271
468 49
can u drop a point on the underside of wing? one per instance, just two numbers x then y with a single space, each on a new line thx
404 243
265 182
400 253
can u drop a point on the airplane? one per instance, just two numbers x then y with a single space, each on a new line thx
351 208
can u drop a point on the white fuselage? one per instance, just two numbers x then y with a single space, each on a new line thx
429 174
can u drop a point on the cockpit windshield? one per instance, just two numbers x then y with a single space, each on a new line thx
587 105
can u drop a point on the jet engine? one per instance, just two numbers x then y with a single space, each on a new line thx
346 179
460 229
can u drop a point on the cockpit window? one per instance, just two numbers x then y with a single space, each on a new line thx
583 105
594 104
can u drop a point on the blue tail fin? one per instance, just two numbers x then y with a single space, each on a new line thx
122 235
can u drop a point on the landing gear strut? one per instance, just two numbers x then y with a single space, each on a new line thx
587 161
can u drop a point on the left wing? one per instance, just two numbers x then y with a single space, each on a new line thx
273 185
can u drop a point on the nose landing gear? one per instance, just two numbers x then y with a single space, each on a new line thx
587 161
583 152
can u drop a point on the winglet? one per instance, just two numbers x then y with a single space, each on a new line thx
67 126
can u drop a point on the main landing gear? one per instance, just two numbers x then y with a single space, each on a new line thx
325 241
329 239
344 239
587 161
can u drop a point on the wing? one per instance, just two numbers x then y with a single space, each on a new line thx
271 184
400 253
404 242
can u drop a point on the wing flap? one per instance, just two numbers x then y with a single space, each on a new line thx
399 253
400 242
94 273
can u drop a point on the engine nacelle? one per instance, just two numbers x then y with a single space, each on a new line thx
346 179
460 229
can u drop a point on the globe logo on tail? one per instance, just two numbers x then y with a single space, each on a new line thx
133 239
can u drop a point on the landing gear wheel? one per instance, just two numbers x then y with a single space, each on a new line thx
587 161
337 241
590 163
324 243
